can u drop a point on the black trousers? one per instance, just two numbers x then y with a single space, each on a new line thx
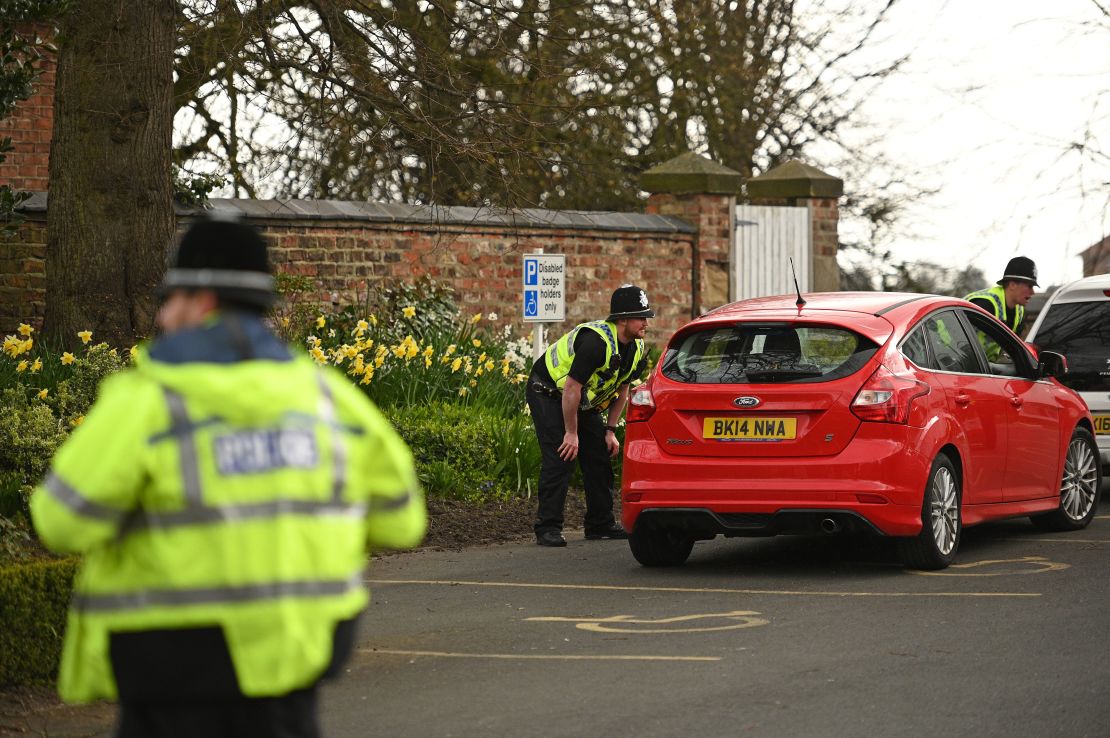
555 474
289 716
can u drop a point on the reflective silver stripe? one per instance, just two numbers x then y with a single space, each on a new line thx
338 447
190 472
146 519
213 595
78 503
233 278
394 503
187 428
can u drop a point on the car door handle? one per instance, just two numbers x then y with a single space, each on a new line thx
1017 401
963 399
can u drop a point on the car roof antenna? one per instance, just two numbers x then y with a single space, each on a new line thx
801 301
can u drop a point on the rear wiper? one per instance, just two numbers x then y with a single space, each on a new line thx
780 375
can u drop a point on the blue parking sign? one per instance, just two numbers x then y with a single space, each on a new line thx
531 272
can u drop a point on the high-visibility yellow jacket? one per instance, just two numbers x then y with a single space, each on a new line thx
604 383
996 296
240 495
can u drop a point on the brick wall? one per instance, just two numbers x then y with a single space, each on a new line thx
481 262
30 127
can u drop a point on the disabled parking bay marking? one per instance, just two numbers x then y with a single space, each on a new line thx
998 568
689 590
677 624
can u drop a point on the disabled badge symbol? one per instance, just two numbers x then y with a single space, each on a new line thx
531 303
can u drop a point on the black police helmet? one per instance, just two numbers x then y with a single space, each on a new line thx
1020 268
629 301
223 254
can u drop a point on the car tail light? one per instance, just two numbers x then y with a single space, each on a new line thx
886 397
641 404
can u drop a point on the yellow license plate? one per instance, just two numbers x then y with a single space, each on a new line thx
1102 424
749 429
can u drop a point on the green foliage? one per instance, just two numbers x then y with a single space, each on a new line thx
455 456
192 190
29 434
33 601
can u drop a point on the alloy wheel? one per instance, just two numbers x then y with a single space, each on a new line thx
944 510
1079 485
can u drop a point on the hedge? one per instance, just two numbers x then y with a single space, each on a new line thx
33 601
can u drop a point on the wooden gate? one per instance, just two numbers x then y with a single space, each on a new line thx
767 237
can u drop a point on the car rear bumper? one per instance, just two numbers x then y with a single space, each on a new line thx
875 484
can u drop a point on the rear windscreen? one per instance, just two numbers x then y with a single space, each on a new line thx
753 354
1081 332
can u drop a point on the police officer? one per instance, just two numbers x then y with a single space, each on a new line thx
1007 299
581 377
223 493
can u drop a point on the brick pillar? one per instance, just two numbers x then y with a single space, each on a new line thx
800 185
30 127
703 193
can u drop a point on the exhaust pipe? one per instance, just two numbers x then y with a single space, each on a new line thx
830 526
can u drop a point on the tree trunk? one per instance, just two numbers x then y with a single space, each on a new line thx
110 218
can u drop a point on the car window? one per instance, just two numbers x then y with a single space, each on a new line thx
756 353
914 348
952 349
1081 332
1005 354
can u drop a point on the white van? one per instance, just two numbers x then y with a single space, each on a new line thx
1075 321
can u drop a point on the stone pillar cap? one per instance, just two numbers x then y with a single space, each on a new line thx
694 174
795 179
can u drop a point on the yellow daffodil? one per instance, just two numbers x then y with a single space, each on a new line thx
25 330
476 318
321 322
474 383
68 358
409 311
77 421
450 350
36 366
490 365
456 364
427 362
476 343
428 351
43 394
134 351
463 391
85 336
373 320
361 327
481 357
285 322
479 372
22 366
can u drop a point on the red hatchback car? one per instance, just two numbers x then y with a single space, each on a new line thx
900 414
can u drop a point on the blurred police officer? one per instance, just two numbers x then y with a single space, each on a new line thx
576 393
224 493
1008 298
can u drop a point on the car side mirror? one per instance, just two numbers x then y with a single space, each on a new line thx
1051 364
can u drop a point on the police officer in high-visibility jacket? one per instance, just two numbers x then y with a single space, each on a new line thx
1008 298
580 377
224 493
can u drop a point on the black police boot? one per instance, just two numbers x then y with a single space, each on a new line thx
614 531
551 538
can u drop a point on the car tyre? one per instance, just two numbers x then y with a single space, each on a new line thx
656 546
1079 486
941 524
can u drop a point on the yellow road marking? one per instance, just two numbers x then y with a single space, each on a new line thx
534 656
695 590
611 624
1040 564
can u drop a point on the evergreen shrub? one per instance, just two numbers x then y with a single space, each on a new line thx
33 601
